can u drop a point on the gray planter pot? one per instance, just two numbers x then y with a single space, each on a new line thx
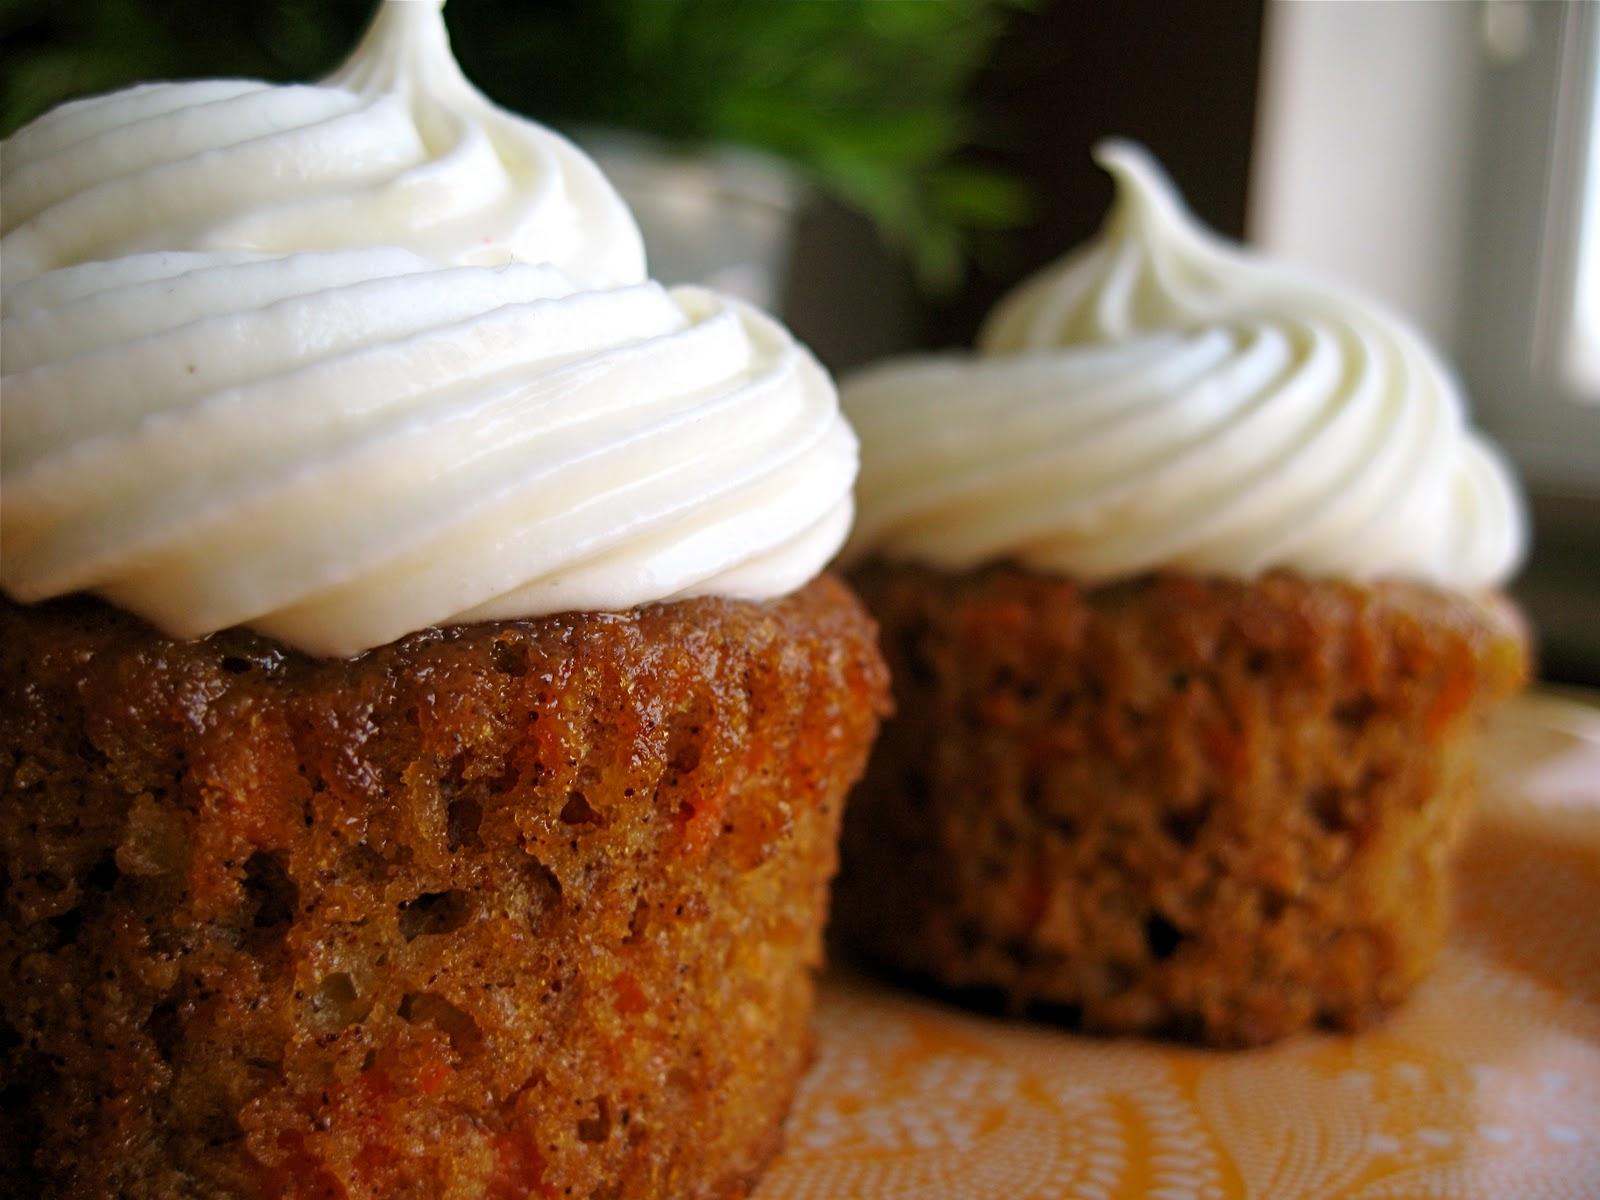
716 216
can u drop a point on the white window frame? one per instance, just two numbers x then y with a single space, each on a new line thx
1518 319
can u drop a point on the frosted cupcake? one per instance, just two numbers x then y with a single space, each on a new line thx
424 717
1186 582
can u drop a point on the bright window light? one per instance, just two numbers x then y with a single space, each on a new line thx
1583 349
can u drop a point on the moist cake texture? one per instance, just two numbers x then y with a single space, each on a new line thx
1217 809
521 908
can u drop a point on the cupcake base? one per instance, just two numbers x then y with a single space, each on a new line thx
516 909
1222 811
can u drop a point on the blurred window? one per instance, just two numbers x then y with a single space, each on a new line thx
1530 341
1583 332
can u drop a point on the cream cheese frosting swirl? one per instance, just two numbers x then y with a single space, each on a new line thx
411 375
1162 398
395 148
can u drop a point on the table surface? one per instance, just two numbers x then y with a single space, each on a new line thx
1487 1084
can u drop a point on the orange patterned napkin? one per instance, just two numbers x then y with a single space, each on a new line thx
1487 1084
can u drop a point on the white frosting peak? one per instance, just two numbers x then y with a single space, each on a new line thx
394 148
345 361
1161 397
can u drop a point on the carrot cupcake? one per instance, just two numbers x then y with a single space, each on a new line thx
1186 582
424 720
